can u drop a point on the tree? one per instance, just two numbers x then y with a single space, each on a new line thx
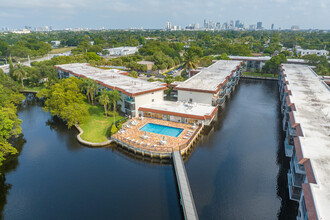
89 86
169 79
3 48
85 87
134 74
92 90
273 65
190 60
9 122
11 67
114 97
223 56
104 100
65 101
20 73
179 78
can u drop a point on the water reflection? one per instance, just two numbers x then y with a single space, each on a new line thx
232 170
57 178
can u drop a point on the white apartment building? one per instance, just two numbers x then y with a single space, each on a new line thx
211 84
303 52
122 51
306 120
134 92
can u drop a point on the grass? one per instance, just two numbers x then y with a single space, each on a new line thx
96 126
260 74
61 50
31 88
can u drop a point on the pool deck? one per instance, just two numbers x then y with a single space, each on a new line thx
134 140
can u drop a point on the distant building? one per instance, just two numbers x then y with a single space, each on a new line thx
272 27
237 24
149 64
294 28
252 27
168 26
122 51
55 43
259 25
24 31
303 52
218 26
231 24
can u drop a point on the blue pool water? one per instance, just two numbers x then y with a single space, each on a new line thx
162 129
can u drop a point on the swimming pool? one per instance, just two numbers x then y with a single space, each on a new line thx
162 129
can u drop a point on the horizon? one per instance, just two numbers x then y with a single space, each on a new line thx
153 14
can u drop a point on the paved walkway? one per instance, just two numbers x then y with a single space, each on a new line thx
187 200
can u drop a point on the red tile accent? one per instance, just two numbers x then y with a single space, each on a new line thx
309 201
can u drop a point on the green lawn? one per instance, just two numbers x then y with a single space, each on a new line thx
31 88
61 50
96 126
260 74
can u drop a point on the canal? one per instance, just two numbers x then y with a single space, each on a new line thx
237 171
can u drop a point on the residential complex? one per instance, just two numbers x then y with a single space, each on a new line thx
257 63
122 51
198 97
211 84
134 92
303 52
305 105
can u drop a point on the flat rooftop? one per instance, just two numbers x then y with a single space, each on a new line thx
312 101
265 58
112 78
181 109
210 78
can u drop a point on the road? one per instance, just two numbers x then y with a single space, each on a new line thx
5 67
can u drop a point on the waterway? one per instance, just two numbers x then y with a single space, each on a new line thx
237 171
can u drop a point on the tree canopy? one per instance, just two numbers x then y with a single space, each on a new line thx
65 101
9 122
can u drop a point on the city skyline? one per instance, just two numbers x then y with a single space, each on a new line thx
153 14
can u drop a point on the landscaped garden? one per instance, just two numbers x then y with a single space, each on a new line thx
96 126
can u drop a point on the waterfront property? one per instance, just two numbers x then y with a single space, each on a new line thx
212 84
198 96
134 92
184 112
162 129
152 141
257 63
305 105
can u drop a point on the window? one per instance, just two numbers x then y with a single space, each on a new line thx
152 100
190 100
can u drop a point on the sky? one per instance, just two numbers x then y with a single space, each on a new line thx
122 14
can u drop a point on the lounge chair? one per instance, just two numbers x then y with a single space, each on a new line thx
185 137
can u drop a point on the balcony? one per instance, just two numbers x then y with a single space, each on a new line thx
130 99
299 168
294 192
288 148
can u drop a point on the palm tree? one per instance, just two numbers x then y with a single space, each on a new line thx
104 99
20 73
114 97
92 90
85 87
190 61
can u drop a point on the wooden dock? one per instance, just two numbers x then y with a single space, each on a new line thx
187 200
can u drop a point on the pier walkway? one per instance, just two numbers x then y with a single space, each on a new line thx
187 200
